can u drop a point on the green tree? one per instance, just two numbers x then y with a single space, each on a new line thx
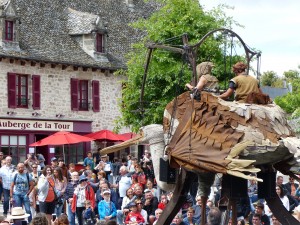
293 77
268 78
167 71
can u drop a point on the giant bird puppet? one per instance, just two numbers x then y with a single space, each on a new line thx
215 136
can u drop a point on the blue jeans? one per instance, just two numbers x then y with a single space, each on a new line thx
71 215
58 209
120 217
6 194
20 200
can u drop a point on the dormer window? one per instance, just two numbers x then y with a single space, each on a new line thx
99 43
9 30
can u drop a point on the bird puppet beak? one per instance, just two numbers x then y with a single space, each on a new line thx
123 145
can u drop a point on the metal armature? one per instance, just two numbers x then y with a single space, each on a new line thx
190 52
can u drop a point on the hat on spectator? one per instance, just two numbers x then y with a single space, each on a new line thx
102 156
53 159
82 178
147 190
107 191
131 204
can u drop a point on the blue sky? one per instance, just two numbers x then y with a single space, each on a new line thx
272 26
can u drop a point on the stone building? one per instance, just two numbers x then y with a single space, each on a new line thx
57 64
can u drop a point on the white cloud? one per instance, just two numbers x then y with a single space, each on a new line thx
270 26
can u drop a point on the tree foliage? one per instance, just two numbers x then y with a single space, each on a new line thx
291 101
168 71
269 78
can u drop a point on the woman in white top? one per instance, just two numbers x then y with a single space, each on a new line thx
283 197
121 214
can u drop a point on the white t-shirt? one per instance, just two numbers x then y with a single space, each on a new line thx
124 184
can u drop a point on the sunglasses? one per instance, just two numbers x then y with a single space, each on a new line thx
139 203
34 167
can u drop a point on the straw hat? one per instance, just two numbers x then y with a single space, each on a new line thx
18 213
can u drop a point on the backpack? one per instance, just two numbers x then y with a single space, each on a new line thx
15 178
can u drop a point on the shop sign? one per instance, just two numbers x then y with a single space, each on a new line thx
10 124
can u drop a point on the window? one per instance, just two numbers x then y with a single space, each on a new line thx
73 153
83 95
15 146
99 43
22 91
18 90
80 95
9 30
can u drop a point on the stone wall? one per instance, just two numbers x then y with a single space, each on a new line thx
55 93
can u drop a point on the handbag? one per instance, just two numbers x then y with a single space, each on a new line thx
56 198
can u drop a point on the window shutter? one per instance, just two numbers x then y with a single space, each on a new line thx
11 88
99 42
36 92
96 95
74 94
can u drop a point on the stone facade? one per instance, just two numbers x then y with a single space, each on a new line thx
55 94
56 40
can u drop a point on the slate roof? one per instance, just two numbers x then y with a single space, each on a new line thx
44 32
81 22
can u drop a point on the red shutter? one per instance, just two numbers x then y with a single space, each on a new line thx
11 88
36 92
96 95
74 94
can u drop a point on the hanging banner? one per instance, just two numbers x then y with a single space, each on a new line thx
11 124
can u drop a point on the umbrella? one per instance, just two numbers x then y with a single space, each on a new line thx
62 138
106 135
128 136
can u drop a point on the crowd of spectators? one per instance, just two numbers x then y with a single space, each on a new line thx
121 191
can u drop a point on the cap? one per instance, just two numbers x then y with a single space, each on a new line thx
107 191
53 159
132 204
147 190
82 178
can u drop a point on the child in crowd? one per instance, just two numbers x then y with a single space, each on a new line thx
107 209
134 217
88 214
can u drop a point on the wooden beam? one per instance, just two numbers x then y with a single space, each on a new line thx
84 68
33 63
53 65
23 63
42 64
11 60
64 67
75 68
94 69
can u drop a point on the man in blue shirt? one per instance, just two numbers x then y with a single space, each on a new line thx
21 187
